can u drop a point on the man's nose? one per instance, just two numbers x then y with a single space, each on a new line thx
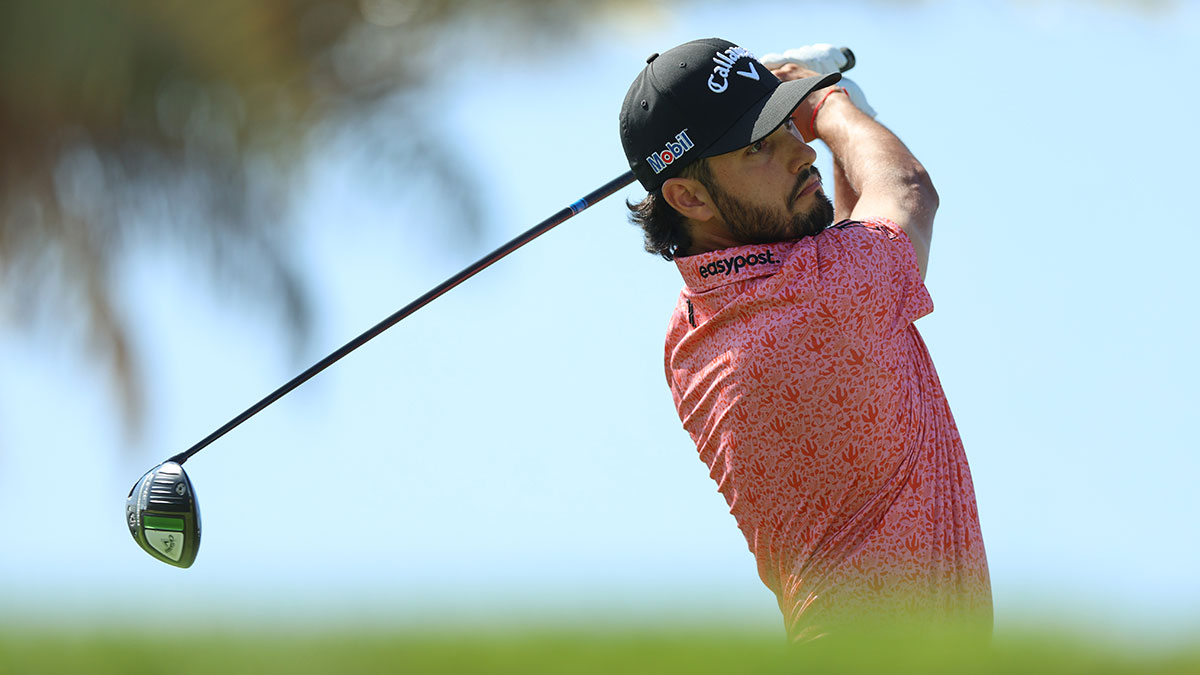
802 154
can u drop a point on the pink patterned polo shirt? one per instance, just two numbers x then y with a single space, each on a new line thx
810 395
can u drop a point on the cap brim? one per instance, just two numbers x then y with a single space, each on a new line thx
768 113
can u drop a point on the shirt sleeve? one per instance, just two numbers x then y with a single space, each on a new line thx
870 277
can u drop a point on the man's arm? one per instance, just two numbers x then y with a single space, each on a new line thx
882 177
888 179
844 196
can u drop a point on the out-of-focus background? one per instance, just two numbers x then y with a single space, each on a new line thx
198 200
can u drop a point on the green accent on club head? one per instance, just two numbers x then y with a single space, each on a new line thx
161 523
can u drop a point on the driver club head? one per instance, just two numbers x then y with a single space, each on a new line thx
163 515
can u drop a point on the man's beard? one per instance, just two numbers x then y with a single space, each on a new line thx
752 224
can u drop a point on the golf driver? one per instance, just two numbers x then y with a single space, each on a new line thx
161 509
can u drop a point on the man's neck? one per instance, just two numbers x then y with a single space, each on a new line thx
709 236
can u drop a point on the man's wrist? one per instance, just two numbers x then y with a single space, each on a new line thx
821 103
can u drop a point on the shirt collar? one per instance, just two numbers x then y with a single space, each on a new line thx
706 271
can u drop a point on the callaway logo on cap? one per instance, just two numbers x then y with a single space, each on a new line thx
700 99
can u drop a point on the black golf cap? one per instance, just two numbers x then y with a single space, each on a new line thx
701 99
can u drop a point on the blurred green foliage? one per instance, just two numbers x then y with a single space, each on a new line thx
602 650
181 125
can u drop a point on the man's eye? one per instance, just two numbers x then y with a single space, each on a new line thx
754 147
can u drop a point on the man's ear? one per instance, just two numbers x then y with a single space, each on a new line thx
690 198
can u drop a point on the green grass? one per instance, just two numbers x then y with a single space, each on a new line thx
573 650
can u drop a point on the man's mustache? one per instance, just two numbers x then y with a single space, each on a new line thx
801 179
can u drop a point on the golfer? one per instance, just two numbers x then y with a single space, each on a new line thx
792 356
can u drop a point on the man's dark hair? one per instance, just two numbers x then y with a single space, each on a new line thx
664 229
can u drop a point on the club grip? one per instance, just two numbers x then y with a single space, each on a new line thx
849 58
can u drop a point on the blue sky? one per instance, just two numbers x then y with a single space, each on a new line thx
512 447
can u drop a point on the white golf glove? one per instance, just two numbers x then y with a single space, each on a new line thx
821 58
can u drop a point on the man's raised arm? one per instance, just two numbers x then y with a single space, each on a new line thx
884 177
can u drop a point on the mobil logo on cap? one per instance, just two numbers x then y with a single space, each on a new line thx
667 156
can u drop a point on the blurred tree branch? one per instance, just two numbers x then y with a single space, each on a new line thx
177 123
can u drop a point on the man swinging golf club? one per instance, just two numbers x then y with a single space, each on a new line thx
792 356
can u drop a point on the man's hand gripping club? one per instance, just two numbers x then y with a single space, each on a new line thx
822 59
